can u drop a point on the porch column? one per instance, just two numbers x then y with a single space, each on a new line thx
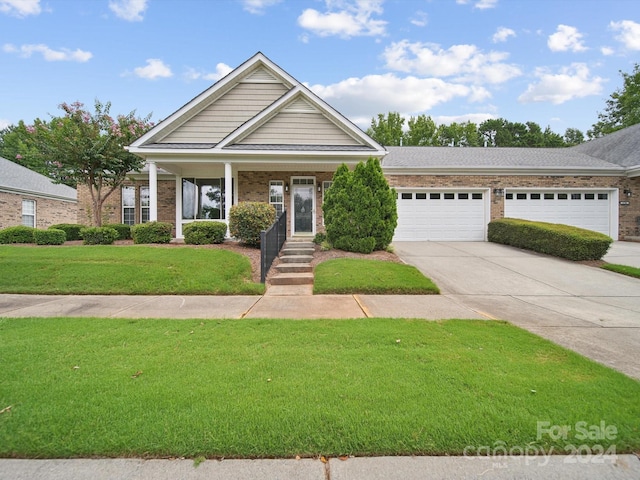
228 192
153 191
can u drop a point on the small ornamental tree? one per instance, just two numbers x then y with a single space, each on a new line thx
84 148
360 209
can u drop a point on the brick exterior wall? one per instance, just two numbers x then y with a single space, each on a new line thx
112 208
254 187
48 211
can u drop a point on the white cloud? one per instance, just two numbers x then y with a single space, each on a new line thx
258 7
572 82
420 19
607 51
360 99
20 8
463 62
345 18
155 68
222 69
130 10
4 123
50 55
502 34
476 118
566 38
479 4
629 33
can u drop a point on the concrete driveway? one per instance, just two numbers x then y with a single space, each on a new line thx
587 309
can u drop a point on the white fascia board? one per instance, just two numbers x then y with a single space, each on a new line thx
216 88
633 171
19 191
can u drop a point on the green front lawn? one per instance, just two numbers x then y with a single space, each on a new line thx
275 388
351 275
624 269
127 270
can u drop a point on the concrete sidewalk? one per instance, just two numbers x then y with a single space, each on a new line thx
620 467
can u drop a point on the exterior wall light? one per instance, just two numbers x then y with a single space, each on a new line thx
627 192
286 187
498 192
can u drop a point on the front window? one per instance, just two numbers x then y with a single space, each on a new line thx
129 205
276 195
144 204
203 198
29 213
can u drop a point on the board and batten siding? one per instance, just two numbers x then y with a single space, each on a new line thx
215 122
299 128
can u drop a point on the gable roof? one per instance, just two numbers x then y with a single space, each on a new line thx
621 147
17 179
252 106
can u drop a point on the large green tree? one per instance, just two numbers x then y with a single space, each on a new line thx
18 145
88 148
422 131
387 129
623 106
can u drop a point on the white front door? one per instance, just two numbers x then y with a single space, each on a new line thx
303 206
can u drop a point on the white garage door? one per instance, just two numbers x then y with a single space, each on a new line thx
586 209
441 215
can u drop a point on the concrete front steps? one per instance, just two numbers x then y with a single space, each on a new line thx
293 275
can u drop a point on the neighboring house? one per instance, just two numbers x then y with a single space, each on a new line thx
260 135
31 199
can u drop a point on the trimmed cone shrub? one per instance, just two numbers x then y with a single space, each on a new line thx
72 230
98 235
151 232
18 234
52 236
248 219
204 233
360 206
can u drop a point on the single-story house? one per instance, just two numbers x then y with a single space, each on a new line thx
31 199
260 135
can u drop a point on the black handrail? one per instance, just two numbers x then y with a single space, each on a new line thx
271 241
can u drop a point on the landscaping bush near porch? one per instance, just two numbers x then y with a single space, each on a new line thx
564 241
74 387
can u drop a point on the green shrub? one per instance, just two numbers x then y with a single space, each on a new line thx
151 232
72 230
124 231
18 234
353 244
358 206
204 233
98 235
51 236
319 238
248 219
559 240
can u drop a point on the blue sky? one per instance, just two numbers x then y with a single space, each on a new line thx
554 62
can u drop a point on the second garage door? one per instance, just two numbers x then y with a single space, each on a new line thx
441 215
588 209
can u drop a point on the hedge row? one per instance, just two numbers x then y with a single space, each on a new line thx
204 233
559 240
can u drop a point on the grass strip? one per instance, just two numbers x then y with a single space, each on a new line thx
125 270
74 387
624 269
351 275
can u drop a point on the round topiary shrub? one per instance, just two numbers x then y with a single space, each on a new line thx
18 234
151 232
248 219
51 236
72 230
204 233
98 235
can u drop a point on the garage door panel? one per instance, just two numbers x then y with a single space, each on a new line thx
590 210
441 216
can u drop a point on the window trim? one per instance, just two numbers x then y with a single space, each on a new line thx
29 214
124 207
278 183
